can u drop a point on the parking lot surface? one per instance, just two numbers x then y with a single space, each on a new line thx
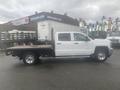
60 74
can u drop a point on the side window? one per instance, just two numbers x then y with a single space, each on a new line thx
64 37
79 37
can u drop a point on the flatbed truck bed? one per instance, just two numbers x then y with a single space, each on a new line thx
39 50
29 47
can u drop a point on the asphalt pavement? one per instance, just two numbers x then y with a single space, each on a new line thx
60 74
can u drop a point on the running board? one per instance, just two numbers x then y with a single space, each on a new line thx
64 57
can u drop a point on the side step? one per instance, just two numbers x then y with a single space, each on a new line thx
64 57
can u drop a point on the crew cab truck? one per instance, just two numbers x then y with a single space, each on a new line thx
72 44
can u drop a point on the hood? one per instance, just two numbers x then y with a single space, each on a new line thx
102 42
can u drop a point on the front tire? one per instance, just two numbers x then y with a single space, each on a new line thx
30 58
101 55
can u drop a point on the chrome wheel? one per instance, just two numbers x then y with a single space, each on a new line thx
101 56
30 59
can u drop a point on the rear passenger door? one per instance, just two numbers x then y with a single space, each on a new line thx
63 44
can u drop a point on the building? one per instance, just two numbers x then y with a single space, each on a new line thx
15 30
30 23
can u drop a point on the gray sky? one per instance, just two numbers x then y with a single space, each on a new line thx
87 9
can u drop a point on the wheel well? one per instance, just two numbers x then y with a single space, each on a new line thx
103 48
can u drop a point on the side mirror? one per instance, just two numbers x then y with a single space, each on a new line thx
87 39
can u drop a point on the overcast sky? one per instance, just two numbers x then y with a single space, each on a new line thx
87 9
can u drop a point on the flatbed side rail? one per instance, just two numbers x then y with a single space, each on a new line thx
10 50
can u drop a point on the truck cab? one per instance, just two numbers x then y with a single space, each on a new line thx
73 43
65 45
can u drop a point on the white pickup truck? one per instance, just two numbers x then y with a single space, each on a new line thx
64 45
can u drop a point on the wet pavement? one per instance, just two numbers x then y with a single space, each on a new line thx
59 74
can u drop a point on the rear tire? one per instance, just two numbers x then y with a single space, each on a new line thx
30 58
101 55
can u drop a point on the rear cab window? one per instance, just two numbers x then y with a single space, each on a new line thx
64 37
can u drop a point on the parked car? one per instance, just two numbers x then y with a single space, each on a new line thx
114 37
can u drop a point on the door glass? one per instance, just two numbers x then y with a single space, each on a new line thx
79 37
64 37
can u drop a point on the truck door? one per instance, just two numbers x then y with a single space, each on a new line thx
63 44
82 45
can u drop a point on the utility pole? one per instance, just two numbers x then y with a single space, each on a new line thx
103 24
109 24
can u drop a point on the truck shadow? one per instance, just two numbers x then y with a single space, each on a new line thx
59 65
70 61
52 63
66 61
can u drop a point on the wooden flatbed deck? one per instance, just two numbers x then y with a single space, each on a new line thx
30 47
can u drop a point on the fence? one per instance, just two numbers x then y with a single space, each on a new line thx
11 39
16 36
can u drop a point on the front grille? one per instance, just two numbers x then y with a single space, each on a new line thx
114 40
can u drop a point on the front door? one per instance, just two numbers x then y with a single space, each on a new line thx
82 45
